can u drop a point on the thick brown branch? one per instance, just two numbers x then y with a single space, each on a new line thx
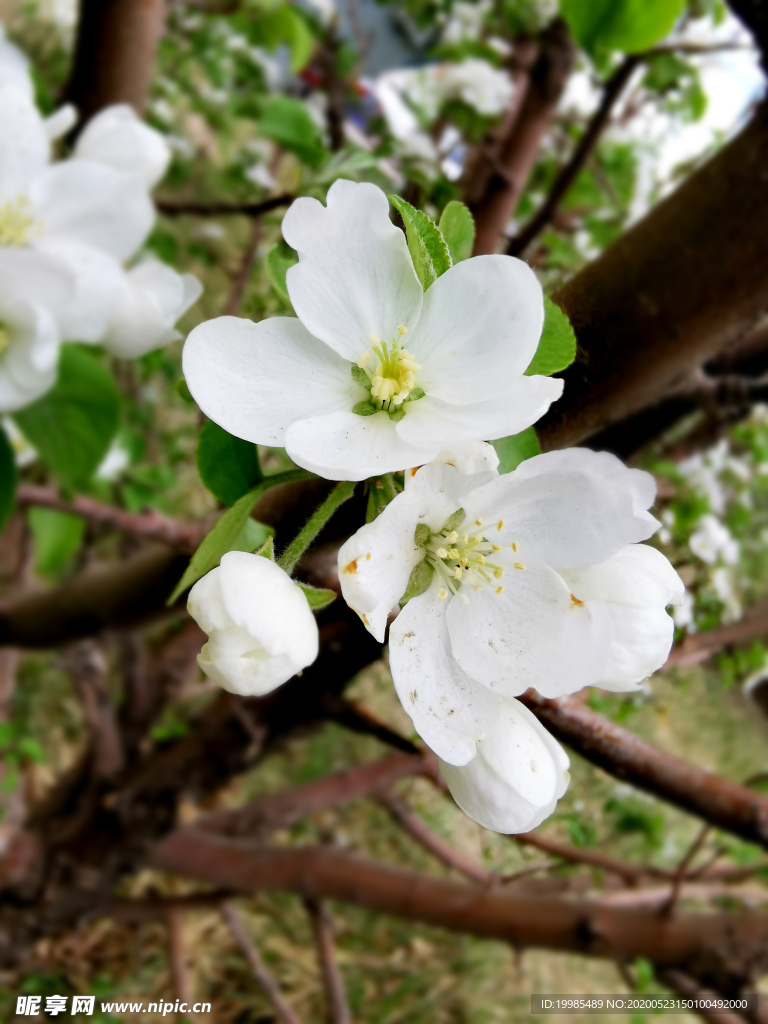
150 525
612 92
723 950
178 208
715 800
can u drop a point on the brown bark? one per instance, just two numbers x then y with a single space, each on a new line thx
114 54
519 150
714 799
681 285
723 950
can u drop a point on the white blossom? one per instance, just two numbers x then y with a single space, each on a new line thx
443 367
535 578
118 138
478 84
260 627
712 540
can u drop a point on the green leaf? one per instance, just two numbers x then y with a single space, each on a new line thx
457 226
253 537
288 122
9 478
557 347
630 26
277 262
318 597
228 466
57 536
283 24
516 449
425 243
72 426
228 532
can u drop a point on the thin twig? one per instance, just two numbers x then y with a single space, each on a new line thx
260 972
682 868
424 835
240 282
322 926
632 874
151 525
178 957
358 718
614 87
178 208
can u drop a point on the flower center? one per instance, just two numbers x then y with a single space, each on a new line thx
463 556
388 373
5 338
17 225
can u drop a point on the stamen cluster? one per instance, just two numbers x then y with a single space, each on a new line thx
392 380
17 225
460 556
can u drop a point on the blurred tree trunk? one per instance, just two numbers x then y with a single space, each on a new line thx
114 54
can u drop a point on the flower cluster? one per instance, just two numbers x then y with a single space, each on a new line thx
535 578
67 230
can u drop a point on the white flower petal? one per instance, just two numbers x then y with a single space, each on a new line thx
60 122
255 380
355 276
344 446
449 710
25 149
28 364
82 201
635 585
470 458
479 329
530 634
515 779
430 421
97 281
375 563
117 137
570 508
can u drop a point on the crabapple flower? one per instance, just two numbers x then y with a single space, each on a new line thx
712 540
33 289
374 374
149 300
535 578
118 138
486 89
517 775
260 627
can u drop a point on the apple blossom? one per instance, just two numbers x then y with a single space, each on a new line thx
118 138
532 579
374 374
712 540
260 627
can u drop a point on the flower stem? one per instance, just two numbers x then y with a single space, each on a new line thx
341 493
382 490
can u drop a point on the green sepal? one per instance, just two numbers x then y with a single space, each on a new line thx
426 245
366 408
457 226
416 394
396 414
454 520
418 581
421 535
317 597
359 376
557 347
267 549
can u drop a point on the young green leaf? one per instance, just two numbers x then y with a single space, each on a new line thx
317 597
557 347
630 26
279 258
425 243
8 477
457 226
228 466
288 122
72 426
56 536
516 449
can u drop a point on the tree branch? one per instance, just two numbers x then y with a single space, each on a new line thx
322 926
179 208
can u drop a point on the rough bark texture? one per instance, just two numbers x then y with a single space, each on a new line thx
115 54
686 282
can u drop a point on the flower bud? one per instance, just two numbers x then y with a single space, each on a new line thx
260 628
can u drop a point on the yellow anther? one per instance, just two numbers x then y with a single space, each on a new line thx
364 359
500 525
457 573
480 559
454 553
465 538
452 537
498 573
499 590
442 552
478 522
515 546
495 547
374 339
442 594
17 225
519 565
402 330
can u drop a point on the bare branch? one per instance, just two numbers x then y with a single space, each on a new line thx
178 208
322 926
632 874
260 972
240 283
